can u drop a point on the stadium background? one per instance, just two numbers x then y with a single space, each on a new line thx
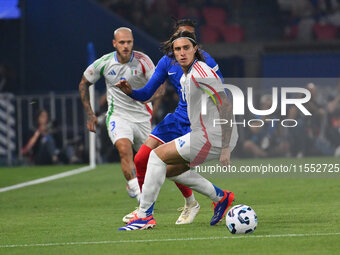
44 48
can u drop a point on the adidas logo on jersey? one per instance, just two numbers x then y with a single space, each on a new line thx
112 72
181 143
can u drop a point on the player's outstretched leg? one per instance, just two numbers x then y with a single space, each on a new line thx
191 206
221 207
141 161
222 200
124 147
154 179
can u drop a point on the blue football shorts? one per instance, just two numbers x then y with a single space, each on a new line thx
170 128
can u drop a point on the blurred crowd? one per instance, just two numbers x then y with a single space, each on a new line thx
155 17
309 19
44 145
218 20
235 20
315 135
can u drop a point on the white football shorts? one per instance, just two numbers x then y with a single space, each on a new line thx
137 133
195 148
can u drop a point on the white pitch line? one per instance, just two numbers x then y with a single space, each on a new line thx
168 240
48 178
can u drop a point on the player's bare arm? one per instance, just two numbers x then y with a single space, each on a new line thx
226 112
85 98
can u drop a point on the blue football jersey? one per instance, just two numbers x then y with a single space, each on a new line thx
173 71
175 124
168 68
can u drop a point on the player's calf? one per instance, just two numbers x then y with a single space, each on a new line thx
141 162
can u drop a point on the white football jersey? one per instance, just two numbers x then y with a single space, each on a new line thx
137 72
199 87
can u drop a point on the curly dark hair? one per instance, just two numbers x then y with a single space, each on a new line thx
183 22
167 46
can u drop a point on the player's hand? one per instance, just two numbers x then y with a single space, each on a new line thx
225 157
124 86
92 122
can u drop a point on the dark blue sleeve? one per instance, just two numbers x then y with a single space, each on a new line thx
156 80
212 63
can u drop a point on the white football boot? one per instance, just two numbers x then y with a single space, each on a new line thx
189 213
126 219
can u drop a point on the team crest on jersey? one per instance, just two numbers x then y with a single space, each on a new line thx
112 72
181 142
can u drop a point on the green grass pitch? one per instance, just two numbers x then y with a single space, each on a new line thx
81 214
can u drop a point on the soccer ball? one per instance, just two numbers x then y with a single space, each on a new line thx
241 219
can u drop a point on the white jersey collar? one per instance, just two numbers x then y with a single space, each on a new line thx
131 58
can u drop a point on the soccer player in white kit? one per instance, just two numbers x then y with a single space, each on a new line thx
128 121
205 141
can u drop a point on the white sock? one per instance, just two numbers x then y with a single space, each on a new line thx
198 183
154 179
190 200
133 185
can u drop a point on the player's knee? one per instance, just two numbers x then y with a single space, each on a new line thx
124 148
124 152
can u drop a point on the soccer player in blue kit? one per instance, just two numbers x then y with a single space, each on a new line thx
174 124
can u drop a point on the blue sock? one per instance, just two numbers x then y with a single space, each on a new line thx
219 192
149 211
